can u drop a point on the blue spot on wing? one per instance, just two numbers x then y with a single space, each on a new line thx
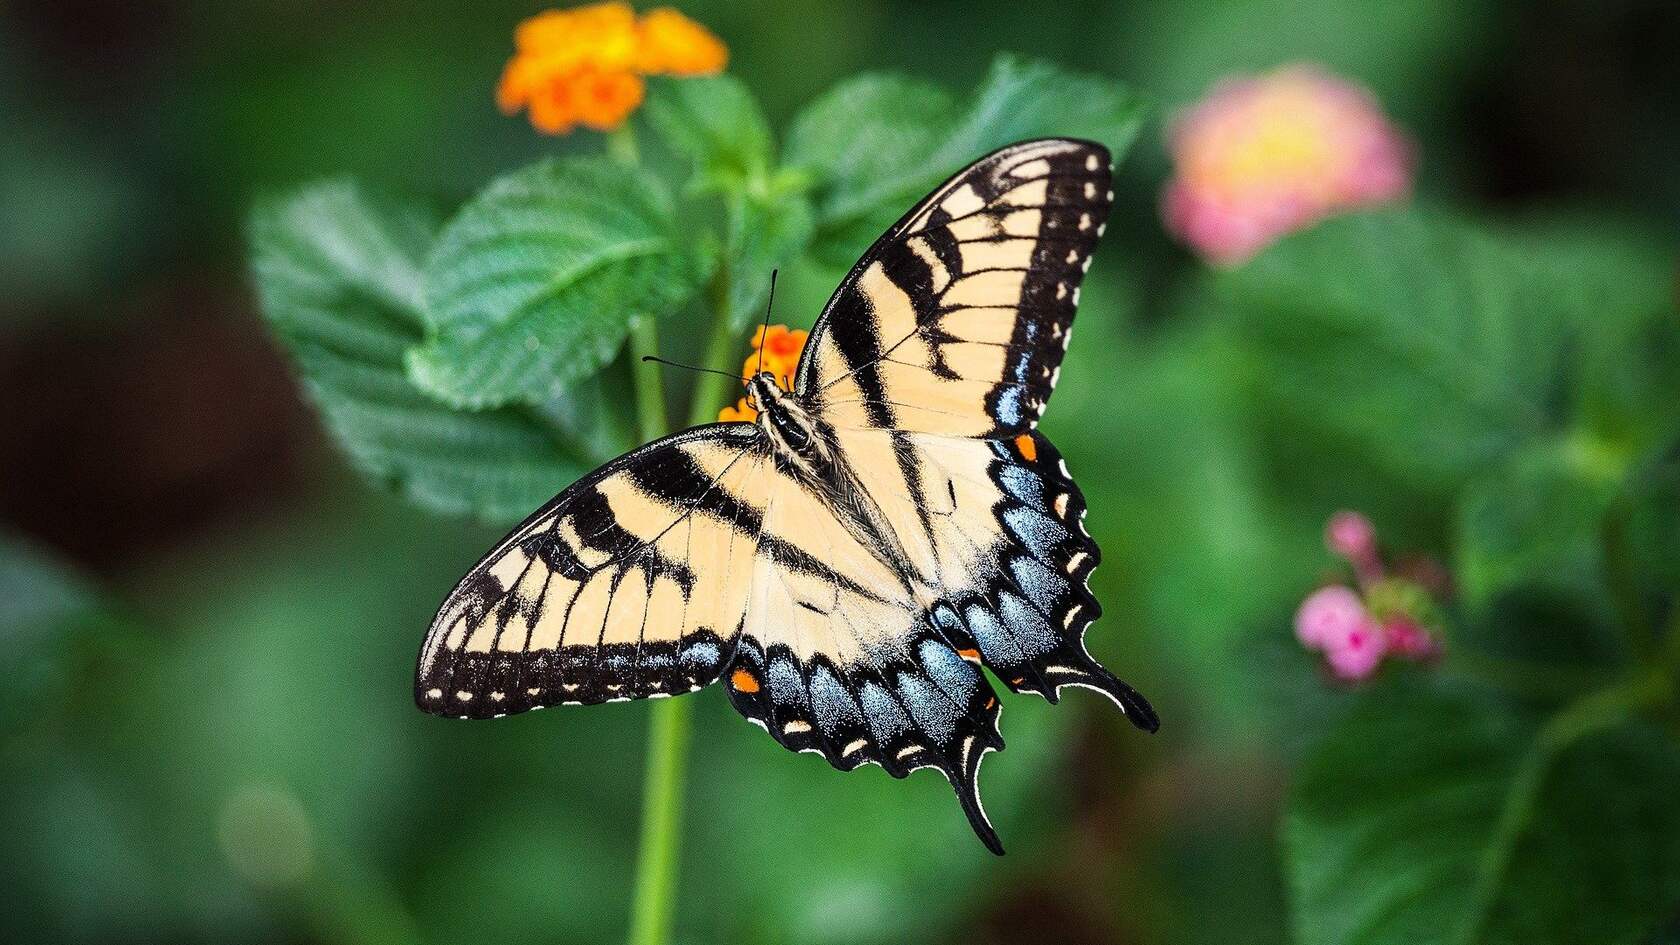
1008 406
885 717
786 686
832 705
950 672
1028 625
1022 483
934 712
1043 586
1034 529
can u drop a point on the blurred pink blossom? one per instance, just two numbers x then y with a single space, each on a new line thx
1329 614
1357 630
1263 156
1357 654
1352 536
1406 637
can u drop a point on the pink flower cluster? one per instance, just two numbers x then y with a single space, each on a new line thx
1263 156
1357 629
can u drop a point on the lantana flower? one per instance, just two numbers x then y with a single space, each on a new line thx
775 348
1263 156
585 66
1389 615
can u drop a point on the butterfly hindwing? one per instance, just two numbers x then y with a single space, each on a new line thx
956 320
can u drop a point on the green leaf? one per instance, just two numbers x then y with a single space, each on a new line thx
1529 568
1434 818
1408 335
533 285
1535 521
716 122
1614 283
766 232
877 144
43 603
338 272
867 128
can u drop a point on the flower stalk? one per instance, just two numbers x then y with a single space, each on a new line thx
653 908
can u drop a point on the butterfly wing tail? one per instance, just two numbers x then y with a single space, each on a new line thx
965 780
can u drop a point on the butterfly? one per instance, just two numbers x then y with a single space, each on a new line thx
847 562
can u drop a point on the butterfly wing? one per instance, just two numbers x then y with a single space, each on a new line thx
931 366
956 320
836 656
630 583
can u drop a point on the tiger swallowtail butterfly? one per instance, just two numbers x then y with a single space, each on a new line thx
848 561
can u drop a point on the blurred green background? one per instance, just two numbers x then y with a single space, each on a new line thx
209 621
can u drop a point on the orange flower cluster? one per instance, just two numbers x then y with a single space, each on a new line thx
776 349
584 66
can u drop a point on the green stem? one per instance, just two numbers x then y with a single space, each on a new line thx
621 144
654 902
710 390
1603 709
654 906
649 380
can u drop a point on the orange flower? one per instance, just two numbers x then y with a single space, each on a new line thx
776 349
673 44
584 66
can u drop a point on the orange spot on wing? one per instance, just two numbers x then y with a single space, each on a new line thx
991 701
969 654
1028 448
743 681
1017 680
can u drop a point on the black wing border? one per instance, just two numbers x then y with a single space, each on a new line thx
802 381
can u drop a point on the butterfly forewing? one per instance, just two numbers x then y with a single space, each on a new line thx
956 320
633 582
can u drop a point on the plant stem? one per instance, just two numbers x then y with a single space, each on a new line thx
621 144
654 906
1593 713
710 389
649 381
654 901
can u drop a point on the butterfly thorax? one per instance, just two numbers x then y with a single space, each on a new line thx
806 451
785 421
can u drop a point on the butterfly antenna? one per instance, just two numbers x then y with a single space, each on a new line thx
763 333
687 367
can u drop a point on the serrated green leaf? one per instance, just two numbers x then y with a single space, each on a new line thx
1534 521
922 139
1528 560
338 272
716 122
1409 334
766 233
1436 346
868 127
1434 818
1614 283
534 284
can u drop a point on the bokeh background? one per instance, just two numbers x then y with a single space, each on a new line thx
210 621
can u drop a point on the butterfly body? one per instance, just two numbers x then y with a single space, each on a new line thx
847 563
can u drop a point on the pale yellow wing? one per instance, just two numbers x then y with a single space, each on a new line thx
633 582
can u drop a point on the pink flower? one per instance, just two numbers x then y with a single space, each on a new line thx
1405 637
1351 535
1329 616
1263 156
1357 653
